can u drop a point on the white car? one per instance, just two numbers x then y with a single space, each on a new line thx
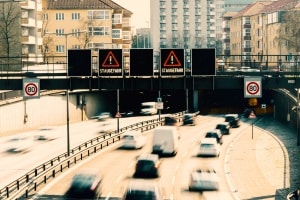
133 139
204 180
209 147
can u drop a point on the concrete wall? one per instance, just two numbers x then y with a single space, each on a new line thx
22 115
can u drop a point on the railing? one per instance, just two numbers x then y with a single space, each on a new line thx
28 184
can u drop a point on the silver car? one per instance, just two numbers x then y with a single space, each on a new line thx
204 180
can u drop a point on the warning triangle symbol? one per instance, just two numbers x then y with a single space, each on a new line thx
110 60
172 60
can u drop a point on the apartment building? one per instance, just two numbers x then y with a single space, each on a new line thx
186 23
254 34
78 24
31 31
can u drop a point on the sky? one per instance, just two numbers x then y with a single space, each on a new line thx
140 9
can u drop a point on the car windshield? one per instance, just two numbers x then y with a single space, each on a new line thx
228 119
140 194
206 145
220 126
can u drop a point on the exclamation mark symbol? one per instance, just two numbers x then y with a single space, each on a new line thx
110 59
172 60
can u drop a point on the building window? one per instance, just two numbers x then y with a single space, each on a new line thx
99 31
126 22
75 16
99 14
45 16
60 48
117 19
76 46
60 16
60 32
116 33
126 35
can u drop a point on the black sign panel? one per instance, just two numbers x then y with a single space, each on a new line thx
203 62
79 62
141 62
172 62
110 62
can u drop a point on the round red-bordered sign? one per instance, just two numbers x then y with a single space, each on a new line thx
252 88
31 89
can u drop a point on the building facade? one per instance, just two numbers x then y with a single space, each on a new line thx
83 24
186 23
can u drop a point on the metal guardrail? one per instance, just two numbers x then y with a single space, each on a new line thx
28 184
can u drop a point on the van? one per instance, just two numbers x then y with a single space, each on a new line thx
165 140
148 108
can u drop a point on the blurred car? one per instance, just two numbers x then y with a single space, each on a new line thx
127 113
224 127
19 144
85 185
171 121
216 133
189 118
147 165
143 190
102 116
133 139
233 120
106 128
295 195
209 147
204 180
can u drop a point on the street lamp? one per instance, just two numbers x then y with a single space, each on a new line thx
67 91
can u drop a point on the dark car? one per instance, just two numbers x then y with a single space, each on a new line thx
189 118
147 165
224 127
127 113
295 195
85 185
233 120
215 134
171 121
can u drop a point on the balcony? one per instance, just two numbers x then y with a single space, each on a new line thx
28 5
227 29
226 40
28 39
248 49
247 37
247 25
28 22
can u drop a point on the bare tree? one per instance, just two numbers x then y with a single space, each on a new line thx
289 32
10 29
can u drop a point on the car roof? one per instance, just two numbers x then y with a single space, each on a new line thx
215 131
231 115
223 123
153 157
208 141
142 185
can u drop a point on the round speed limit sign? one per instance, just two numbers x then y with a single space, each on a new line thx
252 88
31 88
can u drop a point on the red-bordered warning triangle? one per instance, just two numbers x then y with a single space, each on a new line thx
110 60
172 60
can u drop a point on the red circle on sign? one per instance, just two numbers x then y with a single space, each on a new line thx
252 88
27 90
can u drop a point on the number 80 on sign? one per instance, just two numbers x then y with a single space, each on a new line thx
252 87
31 88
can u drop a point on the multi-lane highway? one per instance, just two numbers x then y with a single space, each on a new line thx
35 152
117 166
